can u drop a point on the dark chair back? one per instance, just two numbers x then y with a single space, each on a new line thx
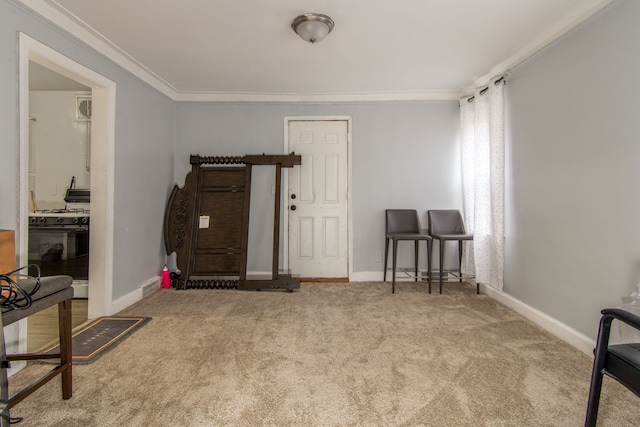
445 221
402 221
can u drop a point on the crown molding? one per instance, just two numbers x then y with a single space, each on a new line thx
317 97
578 15
59 16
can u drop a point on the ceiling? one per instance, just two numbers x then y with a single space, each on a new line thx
236 50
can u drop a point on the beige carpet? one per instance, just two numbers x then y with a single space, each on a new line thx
329 355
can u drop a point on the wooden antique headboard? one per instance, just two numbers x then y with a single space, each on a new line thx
206 223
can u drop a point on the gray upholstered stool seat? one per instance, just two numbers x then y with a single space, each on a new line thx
452 236
53 290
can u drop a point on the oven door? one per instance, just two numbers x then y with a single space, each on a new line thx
61 250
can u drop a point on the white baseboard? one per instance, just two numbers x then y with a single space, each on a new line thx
366 276
134 296
546 322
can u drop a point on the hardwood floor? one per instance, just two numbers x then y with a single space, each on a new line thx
42 327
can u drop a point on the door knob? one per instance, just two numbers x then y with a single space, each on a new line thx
293 207
293 196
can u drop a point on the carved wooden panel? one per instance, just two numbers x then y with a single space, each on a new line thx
218 238
207 223
179 219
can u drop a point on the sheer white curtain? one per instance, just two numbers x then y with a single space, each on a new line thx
482 157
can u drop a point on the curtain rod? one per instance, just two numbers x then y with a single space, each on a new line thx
502 79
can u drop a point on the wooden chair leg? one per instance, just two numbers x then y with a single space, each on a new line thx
66 349
4 382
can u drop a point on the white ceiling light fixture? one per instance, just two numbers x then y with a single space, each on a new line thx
312 27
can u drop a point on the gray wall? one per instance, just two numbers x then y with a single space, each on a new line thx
573 208
571 245
405 155
144 137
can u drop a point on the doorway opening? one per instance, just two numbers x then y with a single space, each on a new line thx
59 176
99 155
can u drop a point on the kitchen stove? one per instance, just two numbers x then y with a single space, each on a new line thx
64 219
59 244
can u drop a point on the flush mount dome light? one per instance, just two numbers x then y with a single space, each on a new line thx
312 27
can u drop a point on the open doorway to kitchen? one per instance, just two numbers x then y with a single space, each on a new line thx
59 195
59 176
89 188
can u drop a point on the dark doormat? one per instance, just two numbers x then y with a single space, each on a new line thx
98 337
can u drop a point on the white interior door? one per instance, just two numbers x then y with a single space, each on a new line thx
317 199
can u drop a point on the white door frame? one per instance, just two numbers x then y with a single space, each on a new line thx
103 99
285 192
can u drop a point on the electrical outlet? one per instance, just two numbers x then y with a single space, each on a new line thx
378 257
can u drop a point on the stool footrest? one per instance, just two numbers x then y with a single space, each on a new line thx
21 395
32 356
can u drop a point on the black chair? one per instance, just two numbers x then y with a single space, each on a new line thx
448 225
404 224
53 290
619 361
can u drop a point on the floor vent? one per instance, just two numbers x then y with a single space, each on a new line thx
149 289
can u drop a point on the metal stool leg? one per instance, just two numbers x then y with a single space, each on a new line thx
415 258
441 262
386 258
429 249
395 252
460 260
